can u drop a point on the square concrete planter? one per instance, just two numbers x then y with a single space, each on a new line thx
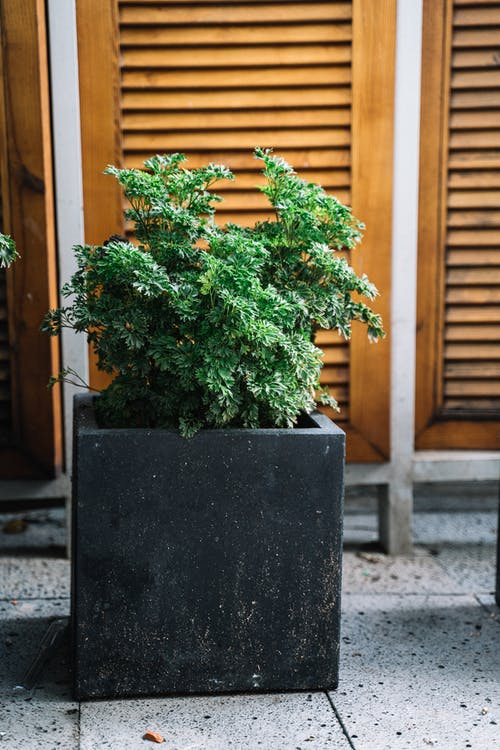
205 565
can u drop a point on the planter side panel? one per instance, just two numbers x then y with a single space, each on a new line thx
206 565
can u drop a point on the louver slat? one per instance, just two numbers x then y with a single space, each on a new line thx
471 367
214 80
186 14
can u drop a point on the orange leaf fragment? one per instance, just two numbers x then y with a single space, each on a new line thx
153 736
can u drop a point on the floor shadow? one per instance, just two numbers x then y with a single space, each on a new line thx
36 659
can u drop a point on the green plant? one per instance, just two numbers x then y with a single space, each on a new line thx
8 252
209 326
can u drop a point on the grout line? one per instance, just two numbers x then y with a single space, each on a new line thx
340 721
399 594
35 598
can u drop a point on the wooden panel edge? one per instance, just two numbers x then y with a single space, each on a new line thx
374 38
432 211
460 435
358 449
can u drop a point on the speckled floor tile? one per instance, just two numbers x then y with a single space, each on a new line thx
419 671
455 529
473 569
376 573
43 717
464 545
420 662
35 531
296 721
34 578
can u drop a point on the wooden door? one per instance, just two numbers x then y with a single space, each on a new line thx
213 80
30 414
458 332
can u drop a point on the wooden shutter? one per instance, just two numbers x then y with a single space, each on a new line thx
30 414
458 339
214 80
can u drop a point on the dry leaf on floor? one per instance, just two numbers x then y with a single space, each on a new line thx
368 557
153 736
15 526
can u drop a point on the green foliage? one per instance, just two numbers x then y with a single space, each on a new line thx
8 252
209 326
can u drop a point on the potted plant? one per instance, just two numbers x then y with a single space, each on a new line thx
207 492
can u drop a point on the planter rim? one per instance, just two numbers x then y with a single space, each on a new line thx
320 424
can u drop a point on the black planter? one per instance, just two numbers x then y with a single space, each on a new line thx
205 565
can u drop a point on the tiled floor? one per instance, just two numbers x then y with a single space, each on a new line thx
420 665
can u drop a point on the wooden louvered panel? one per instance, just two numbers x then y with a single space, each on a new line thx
473 215
214 76
5 374
215 80
458 340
